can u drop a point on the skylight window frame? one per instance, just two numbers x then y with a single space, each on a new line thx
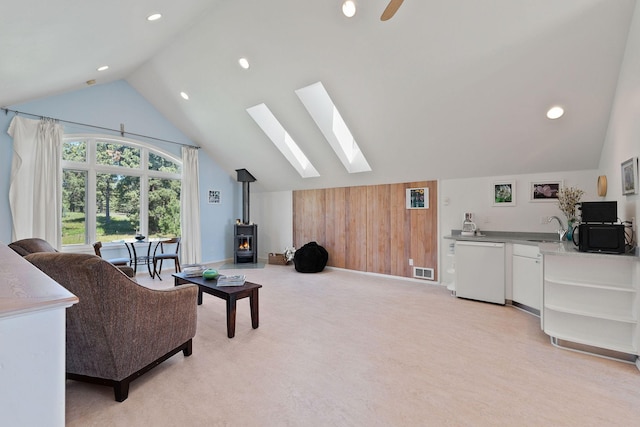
274 130
324 112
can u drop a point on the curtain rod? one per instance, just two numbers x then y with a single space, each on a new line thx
121 130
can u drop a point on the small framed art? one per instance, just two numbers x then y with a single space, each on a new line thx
214 197
503 193
417 198
544 191
629 171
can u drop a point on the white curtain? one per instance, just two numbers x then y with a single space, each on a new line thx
190 208
35 191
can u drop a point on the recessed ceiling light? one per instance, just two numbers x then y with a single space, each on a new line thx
555 112
184 95
244 63
154 17
349 8
103 68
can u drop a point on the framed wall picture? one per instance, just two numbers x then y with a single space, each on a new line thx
214 197
629 170
417 198
503 193
544 191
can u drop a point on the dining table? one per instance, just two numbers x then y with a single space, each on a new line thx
146 257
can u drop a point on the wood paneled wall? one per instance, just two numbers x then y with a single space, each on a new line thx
368 228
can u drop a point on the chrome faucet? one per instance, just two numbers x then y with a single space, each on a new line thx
561 231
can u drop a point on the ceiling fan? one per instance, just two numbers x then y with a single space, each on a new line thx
391 9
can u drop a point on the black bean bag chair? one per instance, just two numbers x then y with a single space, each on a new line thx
311 258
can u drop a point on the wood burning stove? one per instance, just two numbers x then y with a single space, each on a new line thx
245 234
246 243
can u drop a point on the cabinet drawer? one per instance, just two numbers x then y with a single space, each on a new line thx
526 250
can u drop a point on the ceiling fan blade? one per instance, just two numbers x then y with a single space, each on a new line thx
391 9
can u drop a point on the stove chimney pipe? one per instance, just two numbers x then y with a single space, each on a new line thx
245 178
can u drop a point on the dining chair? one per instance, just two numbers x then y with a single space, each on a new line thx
161 255
121 263
97 246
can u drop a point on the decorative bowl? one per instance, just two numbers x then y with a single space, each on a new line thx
210 273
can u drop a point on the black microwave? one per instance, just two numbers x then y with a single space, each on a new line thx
603 238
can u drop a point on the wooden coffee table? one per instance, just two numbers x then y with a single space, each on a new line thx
228 293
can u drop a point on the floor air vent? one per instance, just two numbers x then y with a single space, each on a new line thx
423 273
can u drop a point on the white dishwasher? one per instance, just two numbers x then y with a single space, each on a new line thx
480 272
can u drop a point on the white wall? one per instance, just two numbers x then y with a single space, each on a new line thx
273 212
457 196
623 136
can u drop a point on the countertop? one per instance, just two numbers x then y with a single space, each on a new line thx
569 249
519 237
547 242
24 288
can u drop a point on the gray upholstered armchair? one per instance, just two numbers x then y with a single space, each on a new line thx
119 329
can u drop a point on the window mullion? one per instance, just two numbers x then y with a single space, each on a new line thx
144 193
91 206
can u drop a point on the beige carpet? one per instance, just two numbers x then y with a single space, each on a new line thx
340 348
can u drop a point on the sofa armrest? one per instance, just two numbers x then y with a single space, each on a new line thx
148 323
170 317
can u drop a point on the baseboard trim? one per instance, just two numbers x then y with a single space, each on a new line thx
407 279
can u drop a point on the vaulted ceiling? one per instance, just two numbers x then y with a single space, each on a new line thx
445 89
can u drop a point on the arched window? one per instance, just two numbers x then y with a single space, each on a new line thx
115 187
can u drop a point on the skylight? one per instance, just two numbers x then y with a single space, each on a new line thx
282 140
320 106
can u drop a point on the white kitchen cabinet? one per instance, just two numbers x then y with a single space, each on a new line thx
527 277
592 299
